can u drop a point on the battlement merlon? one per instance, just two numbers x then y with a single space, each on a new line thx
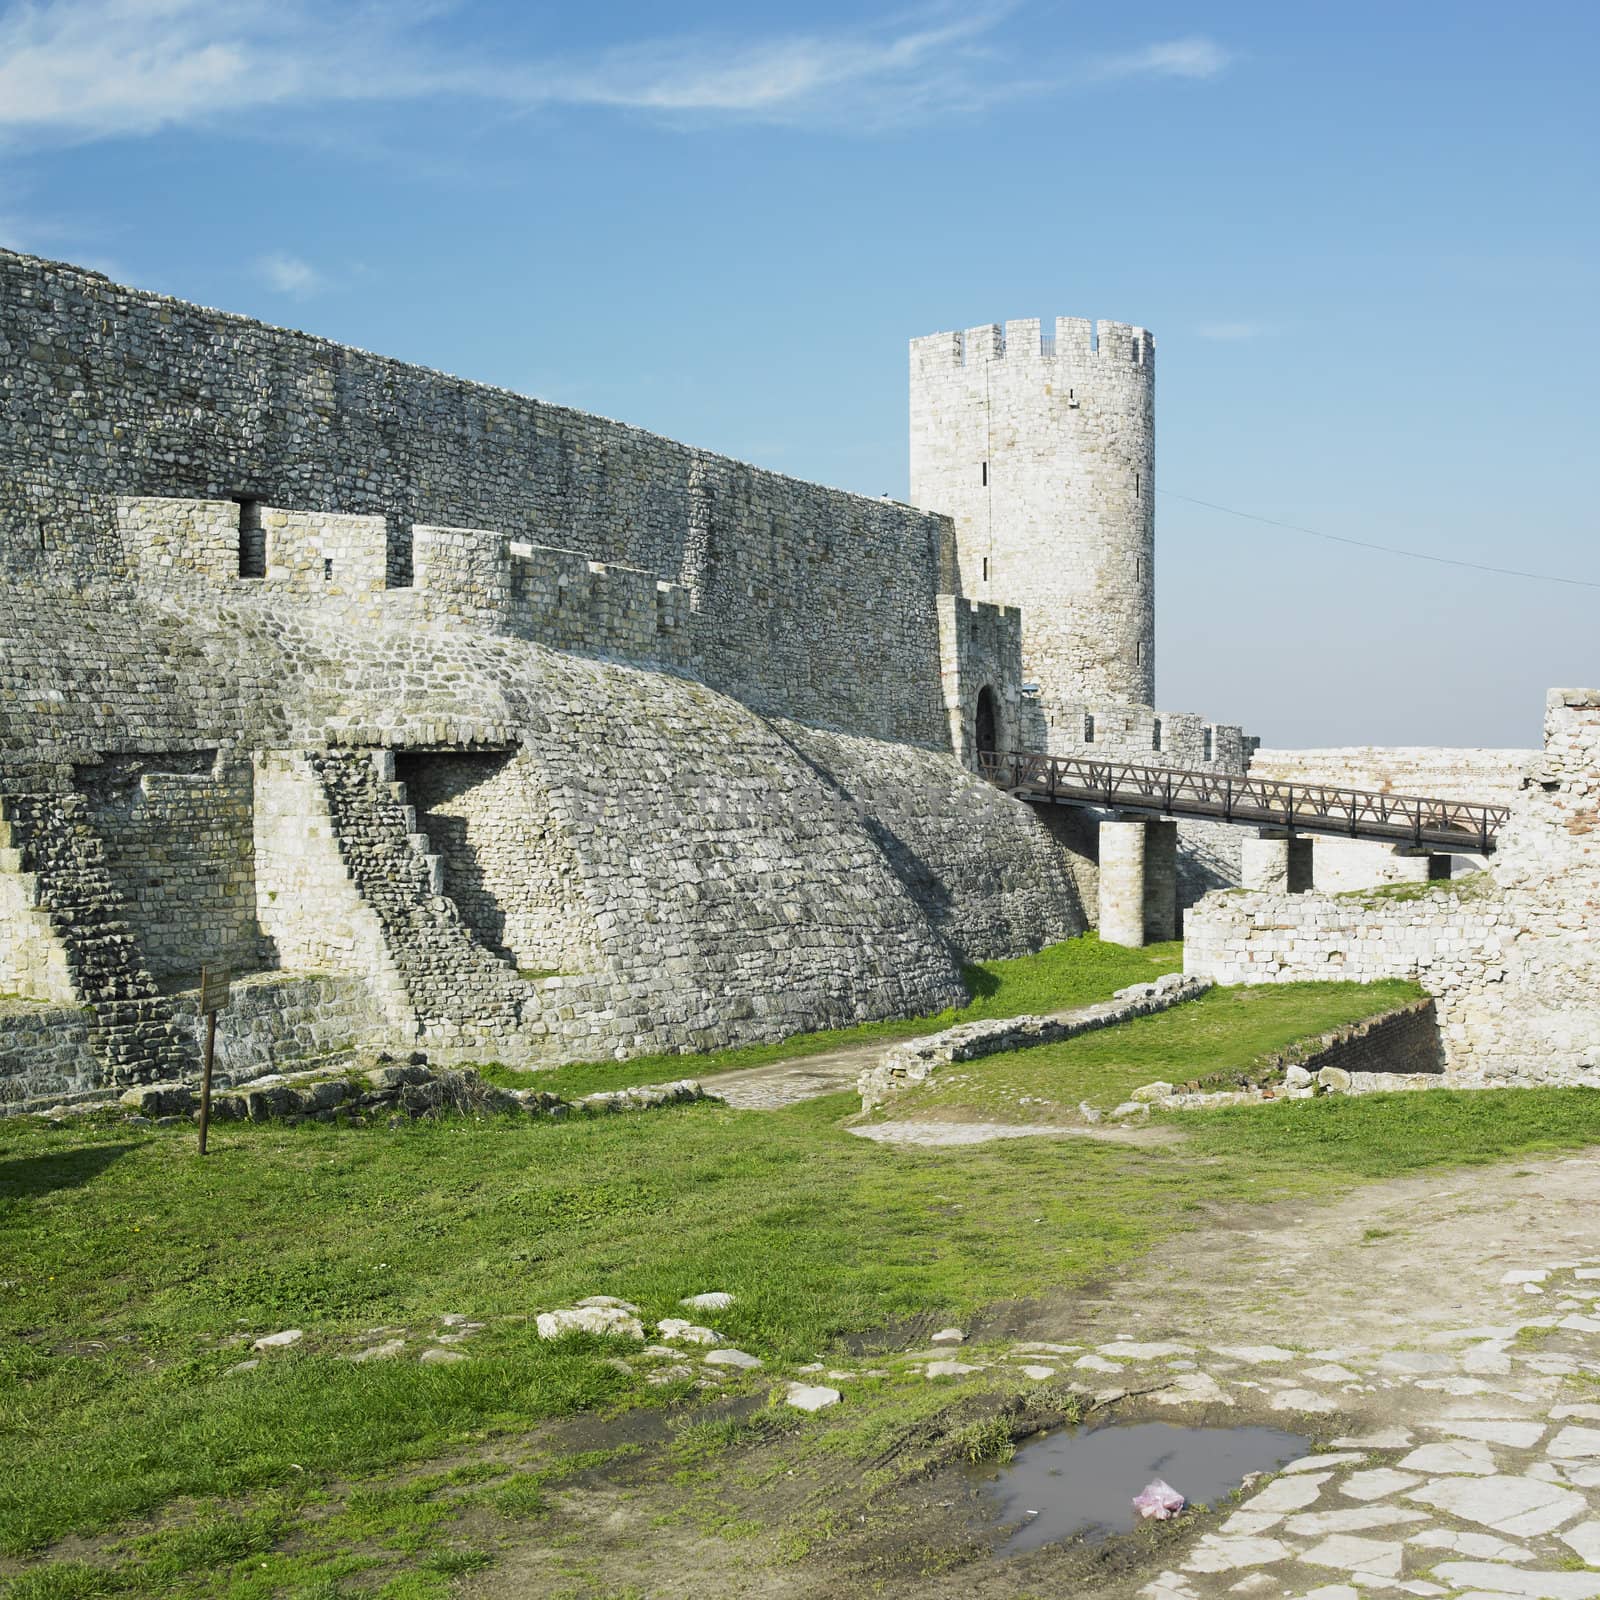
1075 341
469 577
1144 736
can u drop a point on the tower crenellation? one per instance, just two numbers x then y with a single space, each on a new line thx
1041 448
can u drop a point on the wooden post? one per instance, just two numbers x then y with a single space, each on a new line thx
213 997
205 1077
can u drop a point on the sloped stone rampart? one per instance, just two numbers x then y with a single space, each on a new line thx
982 867
916 1060
726 877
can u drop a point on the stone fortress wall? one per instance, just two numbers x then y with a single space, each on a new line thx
805 601
1512 960
458 718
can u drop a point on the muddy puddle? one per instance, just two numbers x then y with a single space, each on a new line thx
1080 1483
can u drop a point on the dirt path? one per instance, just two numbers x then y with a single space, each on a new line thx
786 1083
1439 1335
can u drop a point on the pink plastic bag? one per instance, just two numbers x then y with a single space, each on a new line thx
1159 1500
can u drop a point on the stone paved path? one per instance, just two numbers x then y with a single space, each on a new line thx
1459 1320
786 1083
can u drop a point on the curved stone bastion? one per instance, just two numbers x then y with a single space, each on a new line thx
498 848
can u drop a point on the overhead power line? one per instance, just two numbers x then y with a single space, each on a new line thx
1385 549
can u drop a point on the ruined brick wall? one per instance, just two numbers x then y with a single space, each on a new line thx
1513 960
1405 1040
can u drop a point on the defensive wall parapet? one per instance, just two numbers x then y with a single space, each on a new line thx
1139 735
471 577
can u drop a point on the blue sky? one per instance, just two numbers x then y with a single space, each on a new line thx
1365 236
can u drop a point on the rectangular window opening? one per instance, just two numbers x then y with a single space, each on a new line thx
327 568
986 569
1156 734
1209 742
1138 484
1138 652
1088 727
985 471
252 539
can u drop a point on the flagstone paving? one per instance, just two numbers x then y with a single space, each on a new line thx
1477 1487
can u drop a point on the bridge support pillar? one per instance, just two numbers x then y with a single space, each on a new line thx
1422 865
1138 881
1276 863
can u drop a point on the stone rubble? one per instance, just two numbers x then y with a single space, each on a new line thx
914 1061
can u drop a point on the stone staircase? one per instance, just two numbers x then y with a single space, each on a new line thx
455 984
74 941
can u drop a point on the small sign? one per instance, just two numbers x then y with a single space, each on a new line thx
214 983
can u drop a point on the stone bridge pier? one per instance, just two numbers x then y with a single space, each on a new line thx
1277 862
1138 880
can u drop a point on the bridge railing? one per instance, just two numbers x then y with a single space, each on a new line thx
1265 802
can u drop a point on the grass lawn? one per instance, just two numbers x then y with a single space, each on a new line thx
1077 972
134 1277
1223 1032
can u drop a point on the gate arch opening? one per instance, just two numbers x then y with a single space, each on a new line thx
986 724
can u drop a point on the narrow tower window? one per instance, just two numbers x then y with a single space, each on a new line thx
1138 652
986 569
985 471
1088 727
1137 485
1155 732
252 540
1210 742
327 568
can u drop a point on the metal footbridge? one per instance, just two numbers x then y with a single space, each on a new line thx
1440 825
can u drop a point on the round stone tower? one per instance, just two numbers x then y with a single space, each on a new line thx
1042 450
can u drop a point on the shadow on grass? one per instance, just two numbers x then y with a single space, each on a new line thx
70 1169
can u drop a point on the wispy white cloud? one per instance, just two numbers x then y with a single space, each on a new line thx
292 276
1193 57
1232 332
86 69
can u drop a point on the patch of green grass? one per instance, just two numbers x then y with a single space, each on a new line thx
1370 1136
1077 972
138 1274
1224 1032
1469 886
988 1440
